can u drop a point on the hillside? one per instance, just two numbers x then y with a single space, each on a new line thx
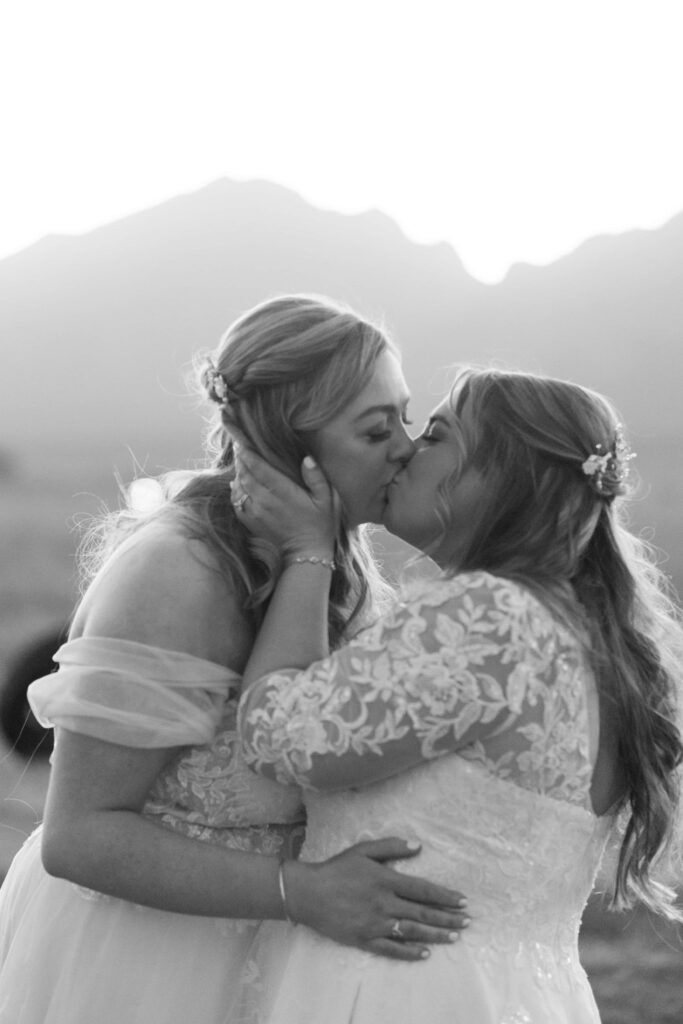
97 331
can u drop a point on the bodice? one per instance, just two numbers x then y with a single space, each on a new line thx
525 861
137 695
210 793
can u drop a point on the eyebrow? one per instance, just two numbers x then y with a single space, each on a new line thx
388 409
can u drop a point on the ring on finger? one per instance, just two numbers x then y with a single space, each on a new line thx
396 932
239 504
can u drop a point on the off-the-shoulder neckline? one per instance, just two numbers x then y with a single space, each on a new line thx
136 645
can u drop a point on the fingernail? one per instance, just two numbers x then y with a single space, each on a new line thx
413 844
424 954
309 462
453 936
465 921
461 904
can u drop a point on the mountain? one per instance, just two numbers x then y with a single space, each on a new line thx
98 331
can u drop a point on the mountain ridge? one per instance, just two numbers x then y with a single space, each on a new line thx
129 302
97 331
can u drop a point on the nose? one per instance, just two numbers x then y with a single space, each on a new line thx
404 448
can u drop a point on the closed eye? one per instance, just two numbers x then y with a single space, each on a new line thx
434 429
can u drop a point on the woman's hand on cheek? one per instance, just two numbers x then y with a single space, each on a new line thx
271 506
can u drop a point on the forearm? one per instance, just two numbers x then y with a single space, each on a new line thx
348 898
294 631
125 855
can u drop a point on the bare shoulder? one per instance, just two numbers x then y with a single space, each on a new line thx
165 589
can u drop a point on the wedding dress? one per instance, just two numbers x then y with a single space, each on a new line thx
69 955
476 665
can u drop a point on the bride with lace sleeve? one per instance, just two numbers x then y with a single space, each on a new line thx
476 715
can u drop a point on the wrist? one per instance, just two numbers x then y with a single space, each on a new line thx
282 885
324 561
294 885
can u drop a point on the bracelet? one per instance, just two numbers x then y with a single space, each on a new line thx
327 563
283 894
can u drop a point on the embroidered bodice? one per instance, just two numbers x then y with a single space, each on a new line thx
466 709
139 695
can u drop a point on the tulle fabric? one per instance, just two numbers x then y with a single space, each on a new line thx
294 977
131 693
70 956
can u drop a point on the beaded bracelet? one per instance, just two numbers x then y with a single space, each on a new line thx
327 563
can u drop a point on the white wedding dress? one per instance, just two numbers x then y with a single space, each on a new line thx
69 955
474 664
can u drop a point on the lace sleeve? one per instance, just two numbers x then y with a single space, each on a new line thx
459 661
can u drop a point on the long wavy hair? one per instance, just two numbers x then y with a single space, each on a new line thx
544 522
281 372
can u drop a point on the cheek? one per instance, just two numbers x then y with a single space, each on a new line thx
347 478
354 471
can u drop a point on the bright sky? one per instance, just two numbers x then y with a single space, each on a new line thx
513 129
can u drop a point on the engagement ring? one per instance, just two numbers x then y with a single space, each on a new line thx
237 505
396 932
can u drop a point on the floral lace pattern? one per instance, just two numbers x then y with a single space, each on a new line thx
474 665
459 720
212 787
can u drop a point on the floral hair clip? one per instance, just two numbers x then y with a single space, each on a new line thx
607 469
220 386
217 387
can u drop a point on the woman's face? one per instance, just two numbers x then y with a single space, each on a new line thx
362 449
414 494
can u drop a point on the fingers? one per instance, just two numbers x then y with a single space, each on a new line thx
407 886
314 478
421 934
420 921
418 890
268 484
252 470
396 950
251 466
388 849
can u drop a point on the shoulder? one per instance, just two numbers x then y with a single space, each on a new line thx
159 555
480 594
163 588
477 585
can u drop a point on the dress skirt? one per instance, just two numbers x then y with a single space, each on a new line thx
302 978
72 956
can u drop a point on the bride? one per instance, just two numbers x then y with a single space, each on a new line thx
137 899
515 714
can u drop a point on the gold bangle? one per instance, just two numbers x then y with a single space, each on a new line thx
327 563
283 893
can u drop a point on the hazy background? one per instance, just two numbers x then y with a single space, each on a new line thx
99 332
496 182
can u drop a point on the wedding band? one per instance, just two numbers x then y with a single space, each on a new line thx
237 505
396 932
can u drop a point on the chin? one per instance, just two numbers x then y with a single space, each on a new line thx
391 526
370 514
352 520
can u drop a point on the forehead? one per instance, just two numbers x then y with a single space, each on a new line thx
386 390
